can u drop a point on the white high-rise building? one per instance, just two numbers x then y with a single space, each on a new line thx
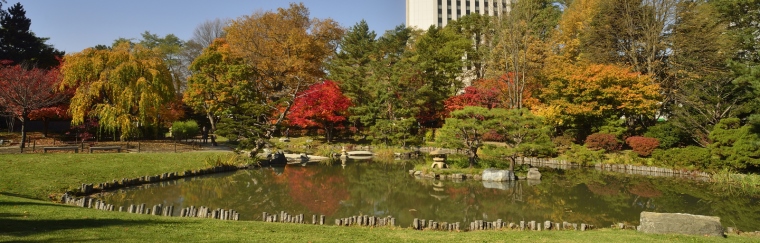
421 14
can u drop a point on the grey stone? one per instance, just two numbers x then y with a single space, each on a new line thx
533 174
679 223
492 174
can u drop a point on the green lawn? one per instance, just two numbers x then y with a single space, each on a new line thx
27 215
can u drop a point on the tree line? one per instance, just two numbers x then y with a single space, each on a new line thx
584 77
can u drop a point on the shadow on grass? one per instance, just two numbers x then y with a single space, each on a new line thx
33 201
44 218
23 227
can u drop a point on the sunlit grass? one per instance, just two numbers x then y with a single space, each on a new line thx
39 176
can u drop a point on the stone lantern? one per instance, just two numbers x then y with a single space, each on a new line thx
439 159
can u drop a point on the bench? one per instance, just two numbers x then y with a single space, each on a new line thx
75 148
117 148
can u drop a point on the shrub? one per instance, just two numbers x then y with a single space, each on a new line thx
626 158
563 143
669 135
226 161
456 161
689 157
584 156
605 141
430 135
614 126
642 145
184 129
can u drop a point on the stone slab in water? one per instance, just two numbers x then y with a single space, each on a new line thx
491 174
679 223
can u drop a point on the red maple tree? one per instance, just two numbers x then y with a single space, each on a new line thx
322 105
483 93
60 111
24 90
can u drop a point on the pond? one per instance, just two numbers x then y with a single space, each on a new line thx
386 189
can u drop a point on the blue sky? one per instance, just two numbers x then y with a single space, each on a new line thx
73 25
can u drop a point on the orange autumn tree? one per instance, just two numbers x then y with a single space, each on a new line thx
322 105
583 96
285 52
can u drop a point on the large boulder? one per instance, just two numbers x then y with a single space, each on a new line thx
533 174
679 223
492 174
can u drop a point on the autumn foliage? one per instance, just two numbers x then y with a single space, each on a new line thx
24 90
322 105
642 145
605 141
580 93
318 192
123 86
475 95
489 93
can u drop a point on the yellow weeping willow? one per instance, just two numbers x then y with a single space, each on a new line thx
122 87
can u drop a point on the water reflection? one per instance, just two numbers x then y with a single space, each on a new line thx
383 189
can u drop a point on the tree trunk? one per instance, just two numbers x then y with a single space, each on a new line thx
45 123
512 164
473 156
329 131
24 117
211 121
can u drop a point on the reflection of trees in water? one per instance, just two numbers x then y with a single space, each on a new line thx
382 189
320 192
662 194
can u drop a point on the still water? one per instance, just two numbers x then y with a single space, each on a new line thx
387 189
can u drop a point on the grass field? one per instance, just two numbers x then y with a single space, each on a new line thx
27 215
